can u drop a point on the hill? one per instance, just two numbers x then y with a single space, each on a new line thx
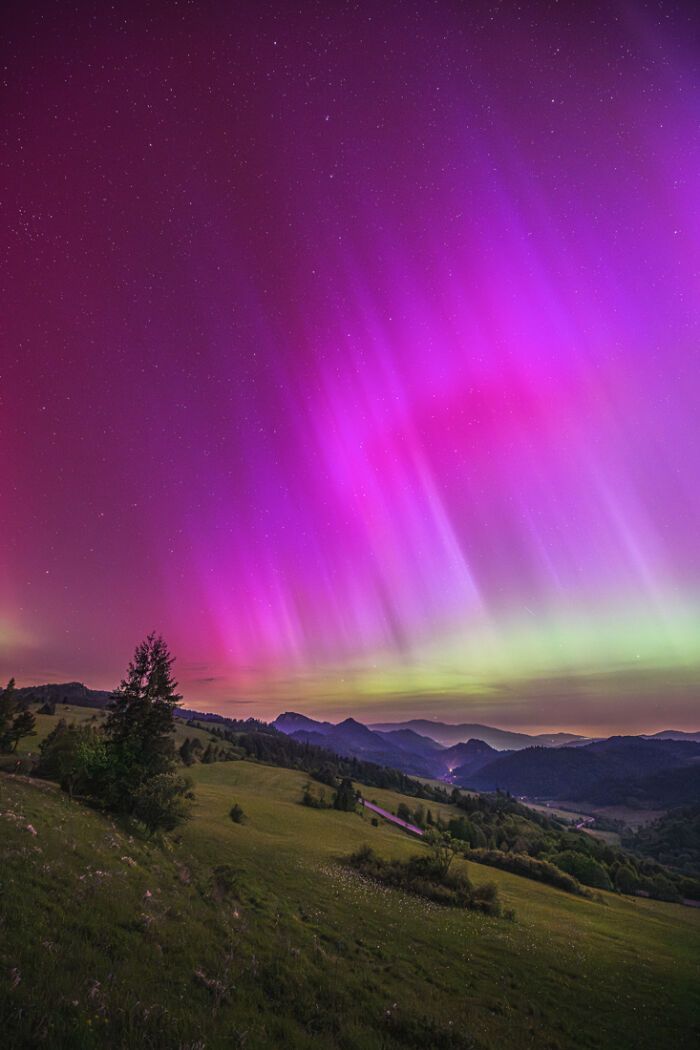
351 738
632 770
256 935
404 746
655 772
28 749
291 722
74 693
674 839
666 789
673 734
467 759
414 743
500 739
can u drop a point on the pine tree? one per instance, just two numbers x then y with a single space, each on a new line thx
403 812
210 755
186 752
139 736
8 705
345 797
23 725
16 721
142 717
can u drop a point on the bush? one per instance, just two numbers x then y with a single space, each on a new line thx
529 868
626 880
236 814
163 802
75 756
584 868
425 877
312 799
662 889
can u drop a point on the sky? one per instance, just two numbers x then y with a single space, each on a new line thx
355 348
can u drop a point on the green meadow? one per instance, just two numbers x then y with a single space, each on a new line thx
74 714
256 935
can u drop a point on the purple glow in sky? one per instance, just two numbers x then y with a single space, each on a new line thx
355 348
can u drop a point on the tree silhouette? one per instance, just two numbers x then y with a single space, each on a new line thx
16 720
139 734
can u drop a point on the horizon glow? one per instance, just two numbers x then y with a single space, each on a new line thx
357 353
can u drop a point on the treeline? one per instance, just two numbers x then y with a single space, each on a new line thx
345 797
276 749
497 830
235 724
673 840
193 750
529 868
667 789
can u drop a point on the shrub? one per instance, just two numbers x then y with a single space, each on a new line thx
626 880
662 889
75 756
163 802
584 868
312 799
424 876
236 814
529 868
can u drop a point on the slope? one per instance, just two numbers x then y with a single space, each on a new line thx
254 935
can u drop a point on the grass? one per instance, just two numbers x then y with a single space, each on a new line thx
255 935
72 713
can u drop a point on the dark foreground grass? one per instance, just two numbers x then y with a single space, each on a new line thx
256 935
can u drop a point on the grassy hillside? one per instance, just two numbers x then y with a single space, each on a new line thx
72 713
254 935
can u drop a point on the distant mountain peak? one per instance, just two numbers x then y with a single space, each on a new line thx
477 746
448 734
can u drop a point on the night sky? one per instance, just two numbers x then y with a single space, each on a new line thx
355 347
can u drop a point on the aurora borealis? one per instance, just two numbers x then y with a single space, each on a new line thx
355 347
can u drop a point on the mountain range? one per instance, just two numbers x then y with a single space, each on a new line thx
662 770
447 734
631 771
655 770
